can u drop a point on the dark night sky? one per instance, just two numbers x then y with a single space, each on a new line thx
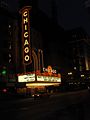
70 13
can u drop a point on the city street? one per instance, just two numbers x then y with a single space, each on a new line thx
45 60
64 106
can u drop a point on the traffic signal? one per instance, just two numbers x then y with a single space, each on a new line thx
4 71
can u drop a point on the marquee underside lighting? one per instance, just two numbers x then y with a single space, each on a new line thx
41 84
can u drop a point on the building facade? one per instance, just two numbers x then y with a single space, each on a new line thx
8 46
78 56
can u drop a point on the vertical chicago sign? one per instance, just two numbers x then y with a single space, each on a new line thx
26 45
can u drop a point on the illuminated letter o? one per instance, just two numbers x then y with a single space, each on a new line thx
26 58
49 70
26 50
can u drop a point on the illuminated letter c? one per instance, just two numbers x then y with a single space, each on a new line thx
26 34
25 14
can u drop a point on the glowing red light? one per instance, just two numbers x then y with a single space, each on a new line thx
4 90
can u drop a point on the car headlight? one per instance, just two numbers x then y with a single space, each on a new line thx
32 95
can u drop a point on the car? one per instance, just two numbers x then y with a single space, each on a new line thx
89 88
41 94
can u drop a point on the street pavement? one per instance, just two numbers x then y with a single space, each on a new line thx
63 106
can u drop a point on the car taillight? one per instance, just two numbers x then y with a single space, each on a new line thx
4 90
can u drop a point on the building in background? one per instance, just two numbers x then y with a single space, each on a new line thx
9 56
8 43
78 56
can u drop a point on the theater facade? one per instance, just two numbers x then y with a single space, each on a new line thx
39 77
33 81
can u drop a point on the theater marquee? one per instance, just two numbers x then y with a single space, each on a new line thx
26 45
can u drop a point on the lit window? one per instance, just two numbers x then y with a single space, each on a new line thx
82 75
9 60
9 26
10 47
75 68
9 55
